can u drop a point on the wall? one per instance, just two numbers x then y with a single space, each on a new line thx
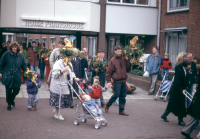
131 19
70 11
190 19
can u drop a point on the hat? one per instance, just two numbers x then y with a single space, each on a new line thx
101 50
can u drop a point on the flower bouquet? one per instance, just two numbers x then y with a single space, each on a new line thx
41 51
99 64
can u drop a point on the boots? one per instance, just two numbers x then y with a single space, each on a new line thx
164 116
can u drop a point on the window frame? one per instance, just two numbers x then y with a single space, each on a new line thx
182 8
135 3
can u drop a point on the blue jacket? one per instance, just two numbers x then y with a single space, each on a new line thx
153 63
90 104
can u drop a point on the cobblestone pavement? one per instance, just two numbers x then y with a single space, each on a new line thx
144 122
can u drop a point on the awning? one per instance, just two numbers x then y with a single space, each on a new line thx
175 29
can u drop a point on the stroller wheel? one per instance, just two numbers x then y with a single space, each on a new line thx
104 123
83 120
165 99
156 98
76 122
97 126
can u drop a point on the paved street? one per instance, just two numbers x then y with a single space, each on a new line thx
144 121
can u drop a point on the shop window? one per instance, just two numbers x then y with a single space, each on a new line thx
91 46
44 40
176 43
141 2
53 40
7 37
30 40
178 5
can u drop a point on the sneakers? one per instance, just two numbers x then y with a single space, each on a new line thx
34 108
9 108
29 109
58 117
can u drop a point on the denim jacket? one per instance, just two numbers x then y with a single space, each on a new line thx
153 63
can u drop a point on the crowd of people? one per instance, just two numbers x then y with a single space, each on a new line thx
63 69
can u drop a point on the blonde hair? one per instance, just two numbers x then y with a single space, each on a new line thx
180 57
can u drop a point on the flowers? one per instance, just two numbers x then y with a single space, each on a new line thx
41 51
99 64
133 42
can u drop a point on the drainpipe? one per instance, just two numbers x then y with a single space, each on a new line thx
159 15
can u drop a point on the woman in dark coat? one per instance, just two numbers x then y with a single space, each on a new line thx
194 112
10 72
176 103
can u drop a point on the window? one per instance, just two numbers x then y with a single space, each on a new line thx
30 40
176 42
178 5
62 38
37 40
91 46
44 40
53 40
141 2
7 37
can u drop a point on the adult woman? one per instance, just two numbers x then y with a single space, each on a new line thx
10 72
180 57
62 73
176 103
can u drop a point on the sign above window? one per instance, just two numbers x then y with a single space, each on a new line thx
51 23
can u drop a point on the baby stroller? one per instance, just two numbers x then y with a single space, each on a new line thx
190 97
164 87
83 113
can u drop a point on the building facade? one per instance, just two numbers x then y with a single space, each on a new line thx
95 23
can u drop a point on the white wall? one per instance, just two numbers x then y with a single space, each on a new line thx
8 13
63 10
131 19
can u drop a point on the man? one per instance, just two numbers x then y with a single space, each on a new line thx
194 112
55 55
87 56
79 65
42 65
152 64
4 49
96 72
193 74
176 103
34 60
117 68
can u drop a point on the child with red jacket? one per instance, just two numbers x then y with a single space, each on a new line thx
84 86
96 90
165 66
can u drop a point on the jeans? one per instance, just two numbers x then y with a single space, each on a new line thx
163 74
11 93
42 66
97 101
191 124
153 78
97 113
33 68
119 91
32 100
190 90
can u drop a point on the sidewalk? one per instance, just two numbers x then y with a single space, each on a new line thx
44 92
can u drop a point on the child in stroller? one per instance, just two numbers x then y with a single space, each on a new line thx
93 107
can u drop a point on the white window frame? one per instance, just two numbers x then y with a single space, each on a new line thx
135 3
44 38
185 8
30 40
50 41
6 34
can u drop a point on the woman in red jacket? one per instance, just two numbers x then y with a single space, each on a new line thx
48 69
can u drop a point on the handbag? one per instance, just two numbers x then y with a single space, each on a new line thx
146 74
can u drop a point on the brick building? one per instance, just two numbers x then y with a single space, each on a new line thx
180 27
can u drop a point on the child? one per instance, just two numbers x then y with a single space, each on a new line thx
165 66
32 89
84 86
93 107
96 91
